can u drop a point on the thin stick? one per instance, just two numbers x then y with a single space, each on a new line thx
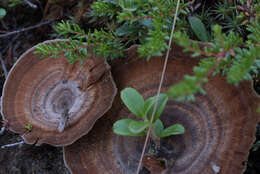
159 88
30 4
2 31
40 5
26 29
2 130
3 66
4 50
4 127
46 8
12 145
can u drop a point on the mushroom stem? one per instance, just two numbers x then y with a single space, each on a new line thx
12 145
63 120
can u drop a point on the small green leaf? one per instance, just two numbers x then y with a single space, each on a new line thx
198 28
147 23
2 13
158 128
126 30
162 100
138 126
148 104
128 5
28 127
121 127
173 130
134 101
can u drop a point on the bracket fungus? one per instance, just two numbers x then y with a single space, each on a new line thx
58 101
220 126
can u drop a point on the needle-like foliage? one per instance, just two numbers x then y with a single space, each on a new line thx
234 36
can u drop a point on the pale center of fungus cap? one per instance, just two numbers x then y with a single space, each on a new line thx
62 95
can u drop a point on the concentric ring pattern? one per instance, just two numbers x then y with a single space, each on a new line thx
220 126
44 93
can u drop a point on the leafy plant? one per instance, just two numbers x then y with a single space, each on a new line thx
222 10
143 109
2 13
224 56
76 48
198 28
233 52
145 22
28 128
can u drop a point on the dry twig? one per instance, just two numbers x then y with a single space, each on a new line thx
2 130
27 29
3 66
30 4
10 42
12 145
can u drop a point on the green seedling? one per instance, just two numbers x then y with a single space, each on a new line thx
143 110
28 128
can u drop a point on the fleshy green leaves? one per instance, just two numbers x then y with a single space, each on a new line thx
198 28
140 108
176 129
144 109
158 128
134 101
162 100
138 126
121 127
160 132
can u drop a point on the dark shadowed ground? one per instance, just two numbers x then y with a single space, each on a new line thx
28 159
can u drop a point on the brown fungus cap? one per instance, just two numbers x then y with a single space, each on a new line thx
220 126
41 94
